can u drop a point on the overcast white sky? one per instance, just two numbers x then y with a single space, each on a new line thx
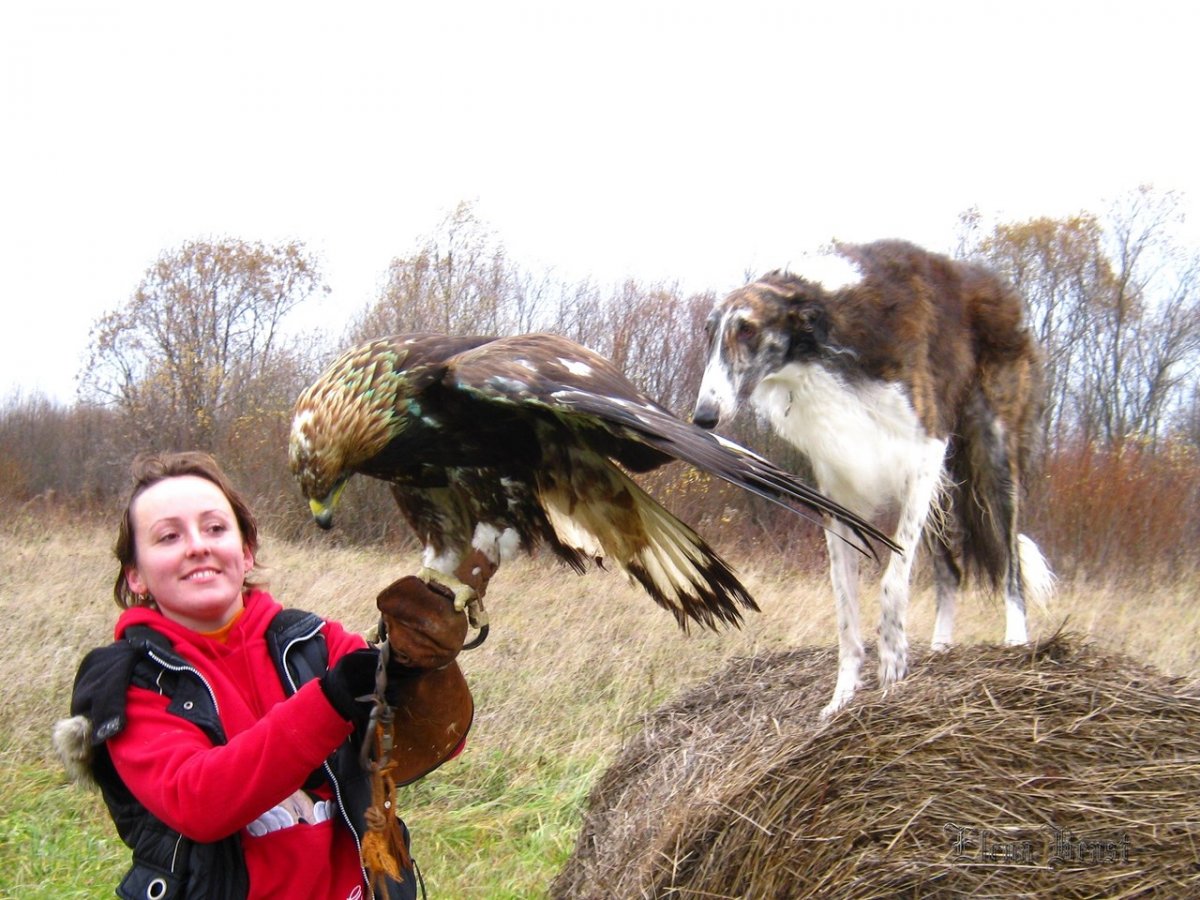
684 142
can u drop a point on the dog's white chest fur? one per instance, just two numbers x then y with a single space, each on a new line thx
864 441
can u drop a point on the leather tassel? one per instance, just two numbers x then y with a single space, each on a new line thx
383 849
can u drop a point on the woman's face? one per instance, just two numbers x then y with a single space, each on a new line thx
189 553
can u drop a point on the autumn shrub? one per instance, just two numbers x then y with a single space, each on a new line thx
1118 513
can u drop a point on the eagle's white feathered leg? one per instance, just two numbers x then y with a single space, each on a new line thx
490 546
468 576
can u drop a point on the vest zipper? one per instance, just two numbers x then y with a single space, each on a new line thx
288 649
333 781
175 852
175 667
337 792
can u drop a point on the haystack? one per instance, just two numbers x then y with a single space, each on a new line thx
1055 770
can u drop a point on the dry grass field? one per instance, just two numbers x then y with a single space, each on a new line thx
572 667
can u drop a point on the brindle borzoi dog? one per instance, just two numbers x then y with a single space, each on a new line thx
916 386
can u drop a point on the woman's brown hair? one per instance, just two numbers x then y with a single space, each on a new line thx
148 470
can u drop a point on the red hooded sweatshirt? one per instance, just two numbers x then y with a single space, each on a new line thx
208 792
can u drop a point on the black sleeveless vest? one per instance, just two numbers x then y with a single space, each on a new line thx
167 865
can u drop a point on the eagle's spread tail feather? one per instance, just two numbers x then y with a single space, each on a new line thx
677 568
704 588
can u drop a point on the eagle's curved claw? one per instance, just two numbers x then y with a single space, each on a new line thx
468 584
477 616
466 600
462 592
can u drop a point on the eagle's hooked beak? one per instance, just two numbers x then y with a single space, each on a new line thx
322 513
322 510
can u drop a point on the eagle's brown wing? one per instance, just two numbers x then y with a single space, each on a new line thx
597 404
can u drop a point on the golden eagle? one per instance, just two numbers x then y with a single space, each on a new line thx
503 444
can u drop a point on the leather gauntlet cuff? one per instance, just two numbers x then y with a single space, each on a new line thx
432 704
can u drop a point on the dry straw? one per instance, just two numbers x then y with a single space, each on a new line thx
1045 771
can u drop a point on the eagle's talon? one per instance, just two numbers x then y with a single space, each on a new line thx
463 598
463 593
477 616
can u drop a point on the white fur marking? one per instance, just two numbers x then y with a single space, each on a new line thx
1036 576
830 270
509 545
943 624
717 387
863 441
843 573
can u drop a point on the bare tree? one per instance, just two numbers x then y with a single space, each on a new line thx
1058 266
1114 304
1150 319
198 340
655 335
460 281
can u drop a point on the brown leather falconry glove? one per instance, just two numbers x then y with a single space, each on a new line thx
426 688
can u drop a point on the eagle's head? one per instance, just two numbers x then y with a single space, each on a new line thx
342 420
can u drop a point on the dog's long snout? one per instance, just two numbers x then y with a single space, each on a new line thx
706 414
713 397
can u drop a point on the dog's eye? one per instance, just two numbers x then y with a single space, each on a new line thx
746 330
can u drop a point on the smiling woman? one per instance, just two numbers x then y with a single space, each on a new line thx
211 682
191 558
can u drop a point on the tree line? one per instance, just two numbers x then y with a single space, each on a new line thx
207 353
